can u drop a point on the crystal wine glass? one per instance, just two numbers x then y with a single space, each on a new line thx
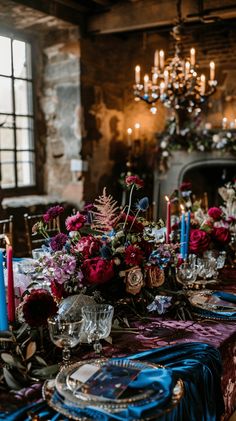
187 273
64 334
97 321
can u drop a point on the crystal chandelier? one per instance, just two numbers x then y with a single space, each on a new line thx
176 82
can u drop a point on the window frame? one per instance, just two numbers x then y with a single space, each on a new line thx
33 189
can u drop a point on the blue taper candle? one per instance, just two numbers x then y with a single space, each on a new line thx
3 304
187 234
182 236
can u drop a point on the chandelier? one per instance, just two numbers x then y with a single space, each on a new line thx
176 82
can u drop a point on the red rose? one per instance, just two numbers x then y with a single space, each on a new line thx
98 270
221 235
185 186
215 213
198 241
134 179
88 246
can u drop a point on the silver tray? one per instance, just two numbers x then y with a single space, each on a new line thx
63 406
205 300
66 389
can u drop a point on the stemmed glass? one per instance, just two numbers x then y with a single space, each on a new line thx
97 321
187 274
64 334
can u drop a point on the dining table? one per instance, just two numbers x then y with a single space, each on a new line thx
201 353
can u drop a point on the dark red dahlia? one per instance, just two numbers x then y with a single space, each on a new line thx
38 306
134 256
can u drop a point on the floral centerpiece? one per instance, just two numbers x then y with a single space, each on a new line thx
107 252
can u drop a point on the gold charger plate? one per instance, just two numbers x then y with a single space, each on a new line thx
64 405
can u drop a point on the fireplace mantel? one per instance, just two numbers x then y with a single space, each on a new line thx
179 163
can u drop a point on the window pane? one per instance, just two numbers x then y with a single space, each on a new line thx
6 138
5 62
6 121
24 139
7 156
23 97
6 95
21 64
25 168
24 122
8 175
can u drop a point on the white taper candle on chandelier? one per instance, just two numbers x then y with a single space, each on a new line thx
156 59
187 69
162 59
192 56
129 134
203 84
137 75
212 70
146 83
166 77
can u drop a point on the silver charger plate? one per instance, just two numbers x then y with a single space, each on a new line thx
206 300
66 387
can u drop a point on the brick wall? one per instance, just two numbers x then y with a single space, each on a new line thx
108 63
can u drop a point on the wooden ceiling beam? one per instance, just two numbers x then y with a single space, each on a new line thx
133 15
60 10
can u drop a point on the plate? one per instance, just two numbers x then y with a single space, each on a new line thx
66 387
63 406
206 300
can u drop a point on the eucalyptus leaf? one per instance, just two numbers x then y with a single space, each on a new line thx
10 380
46 372
10 360
30 350
22 330
40 360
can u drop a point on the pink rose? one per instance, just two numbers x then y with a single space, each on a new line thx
198 241
98 270
88 246
221 235
215 213
134 280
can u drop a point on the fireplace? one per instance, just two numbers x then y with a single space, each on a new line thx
206 171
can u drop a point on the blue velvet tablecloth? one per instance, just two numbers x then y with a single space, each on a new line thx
197 364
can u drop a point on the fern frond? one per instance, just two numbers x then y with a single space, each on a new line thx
106 214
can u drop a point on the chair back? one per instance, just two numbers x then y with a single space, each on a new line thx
6 230
36 240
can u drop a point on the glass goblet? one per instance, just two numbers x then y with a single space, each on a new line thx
64 334
97 321
187 273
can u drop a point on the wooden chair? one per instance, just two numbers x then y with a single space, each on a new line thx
6 230
37 240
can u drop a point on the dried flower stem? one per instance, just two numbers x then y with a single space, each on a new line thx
135 217
129 206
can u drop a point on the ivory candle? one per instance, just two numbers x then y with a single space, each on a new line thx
137 75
